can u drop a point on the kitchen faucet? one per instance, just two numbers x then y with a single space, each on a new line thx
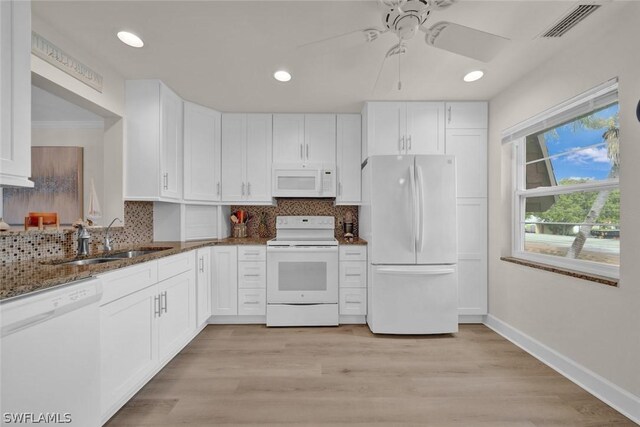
83 240
107 239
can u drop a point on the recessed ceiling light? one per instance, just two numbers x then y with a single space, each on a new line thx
282 76
473 76
130 39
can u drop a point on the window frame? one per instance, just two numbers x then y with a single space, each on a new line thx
517 137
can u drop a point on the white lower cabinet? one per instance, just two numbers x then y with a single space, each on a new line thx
353 301
252 302
129 346
353 280
252 280
142 328
224 295
203 280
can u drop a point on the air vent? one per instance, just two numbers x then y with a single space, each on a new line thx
572 18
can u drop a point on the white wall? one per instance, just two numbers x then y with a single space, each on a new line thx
596 326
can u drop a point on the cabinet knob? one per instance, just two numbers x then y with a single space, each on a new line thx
449 114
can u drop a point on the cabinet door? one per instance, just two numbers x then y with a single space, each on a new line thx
320 138
129 344
15 93
225 281
385 128
177 313
170 144
203 279
233 143
258 157
201 153
470 148
288 138
472 256
425 128
467 115
252 302
348 158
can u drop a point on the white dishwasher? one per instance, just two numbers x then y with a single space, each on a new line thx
50 356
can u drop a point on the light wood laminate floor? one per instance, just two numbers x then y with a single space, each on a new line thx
250 374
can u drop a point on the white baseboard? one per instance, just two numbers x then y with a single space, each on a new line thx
471 318
237 320
352 320
618 398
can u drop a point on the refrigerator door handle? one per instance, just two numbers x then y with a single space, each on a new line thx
421 210
414 207
415 271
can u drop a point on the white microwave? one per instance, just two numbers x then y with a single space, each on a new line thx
308 180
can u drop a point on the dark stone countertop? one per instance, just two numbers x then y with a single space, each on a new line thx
23 277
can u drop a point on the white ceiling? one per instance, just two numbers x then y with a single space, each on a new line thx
223 53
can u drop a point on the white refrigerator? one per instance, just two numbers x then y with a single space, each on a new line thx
409 219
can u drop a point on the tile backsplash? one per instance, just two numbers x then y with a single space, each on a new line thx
36 244
298 207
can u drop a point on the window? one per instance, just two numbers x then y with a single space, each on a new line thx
566 187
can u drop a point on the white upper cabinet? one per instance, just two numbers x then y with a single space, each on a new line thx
304 138
403 128
320 138
288 138
467 115
154 148
425 128
470 148
349 129
15 93
246 158
201 153
467 140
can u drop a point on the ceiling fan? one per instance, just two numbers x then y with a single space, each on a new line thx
406 18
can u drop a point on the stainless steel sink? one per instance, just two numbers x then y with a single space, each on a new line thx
133 254
88 261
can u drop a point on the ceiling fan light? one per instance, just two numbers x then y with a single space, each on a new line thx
282 76
473 76
130 39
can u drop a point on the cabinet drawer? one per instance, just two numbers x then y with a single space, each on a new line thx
252 253
175 264
252 274
353 301
353 274
353 253
125 281
252 302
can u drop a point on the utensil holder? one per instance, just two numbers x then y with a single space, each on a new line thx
239 230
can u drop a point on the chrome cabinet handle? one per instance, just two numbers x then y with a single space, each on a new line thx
252 275
166 181
218 189
353 274
248 189
449 114
163 295
251 302
301 155
409 143
339 189
243 188
202 264
156 306
307 151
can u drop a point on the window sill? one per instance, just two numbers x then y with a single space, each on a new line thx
566 272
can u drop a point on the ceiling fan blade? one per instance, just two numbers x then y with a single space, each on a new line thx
465 41
368 34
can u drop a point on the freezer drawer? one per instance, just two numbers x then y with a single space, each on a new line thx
415 299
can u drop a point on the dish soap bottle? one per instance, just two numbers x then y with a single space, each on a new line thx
263 231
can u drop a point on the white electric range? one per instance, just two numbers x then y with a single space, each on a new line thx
302 272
